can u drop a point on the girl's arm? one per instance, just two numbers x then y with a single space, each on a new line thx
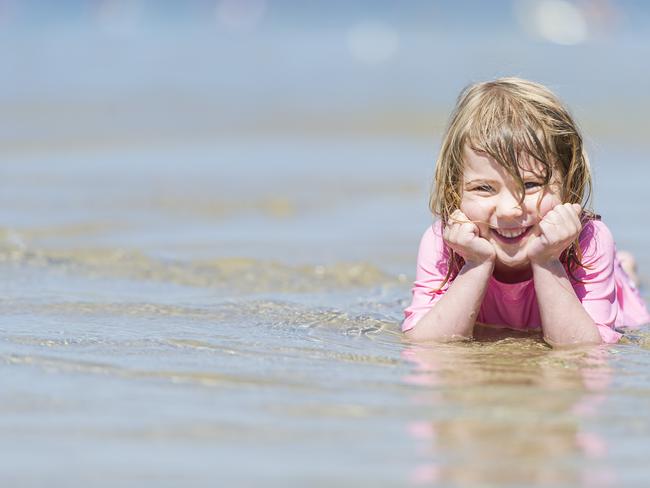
564 320
454 314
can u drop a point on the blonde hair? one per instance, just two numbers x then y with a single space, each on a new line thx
511 120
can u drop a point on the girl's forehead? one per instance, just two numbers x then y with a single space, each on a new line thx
478 164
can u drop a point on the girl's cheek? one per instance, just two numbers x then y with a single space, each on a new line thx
474 210
477 212
548 203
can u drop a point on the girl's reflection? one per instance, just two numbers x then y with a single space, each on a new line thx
509 411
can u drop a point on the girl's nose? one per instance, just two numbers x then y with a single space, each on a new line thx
509 206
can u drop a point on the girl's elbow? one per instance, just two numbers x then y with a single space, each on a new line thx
572 345
418 334
592 338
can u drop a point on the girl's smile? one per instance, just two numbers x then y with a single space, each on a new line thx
511 235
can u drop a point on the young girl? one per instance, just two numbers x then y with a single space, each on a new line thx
514 247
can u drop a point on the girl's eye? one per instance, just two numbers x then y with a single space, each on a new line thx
485 188
529 185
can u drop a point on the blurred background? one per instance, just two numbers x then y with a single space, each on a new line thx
267 128
203 197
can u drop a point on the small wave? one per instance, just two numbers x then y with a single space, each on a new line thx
242 275
237 274
639 336
309 353
12 246
271 314
203 378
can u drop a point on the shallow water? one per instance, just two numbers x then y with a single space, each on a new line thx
207 239
151 334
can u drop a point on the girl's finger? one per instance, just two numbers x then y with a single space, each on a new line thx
577 211
467 232
553 217
453 230
452 221
571 219
565 213
459 217
546 228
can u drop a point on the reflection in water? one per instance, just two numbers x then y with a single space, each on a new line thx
509 412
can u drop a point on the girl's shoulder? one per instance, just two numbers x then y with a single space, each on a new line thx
432 247
596 240
433 235
433 240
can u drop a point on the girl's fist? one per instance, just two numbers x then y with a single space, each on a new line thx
462 235
556 231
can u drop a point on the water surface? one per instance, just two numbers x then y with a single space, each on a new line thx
207 239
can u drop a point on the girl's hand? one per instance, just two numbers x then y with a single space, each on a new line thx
557 230
462 235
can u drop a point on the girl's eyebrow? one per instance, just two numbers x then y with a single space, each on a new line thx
480 180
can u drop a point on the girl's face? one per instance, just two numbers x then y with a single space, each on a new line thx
490 200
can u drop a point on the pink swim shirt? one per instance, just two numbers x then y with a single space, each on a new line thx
603 287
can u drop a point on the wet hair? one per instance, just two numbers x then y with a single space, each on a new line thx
513 121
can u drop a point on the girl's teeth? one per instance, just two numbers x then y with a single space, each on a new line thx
511 233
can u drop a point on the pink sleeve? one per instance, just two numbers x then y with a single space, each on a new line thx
429 275
596 285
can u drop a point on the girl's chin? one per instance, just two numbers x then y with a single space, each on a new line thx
514 251
518 261
509 270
